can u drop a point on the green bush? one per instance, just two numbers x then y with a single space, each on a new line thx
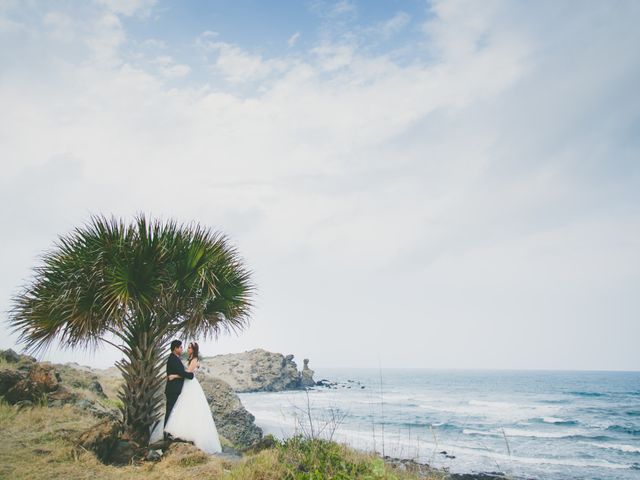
315 459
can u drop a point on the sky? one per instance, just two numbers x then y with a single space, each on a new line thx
445 184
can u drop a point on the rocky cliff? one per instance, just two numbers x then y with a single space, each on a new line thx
257 370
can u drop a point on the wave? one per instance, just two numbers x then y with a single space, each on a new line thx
468 431
516 432
445 426
546 460
421 424
555 421
588 394
615 446
633 430
557 401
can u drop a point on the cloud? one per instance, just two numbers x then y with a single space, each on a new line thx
169 69
60 26
331 9
480 188
129 7
342 7
240 66
394 24
293 39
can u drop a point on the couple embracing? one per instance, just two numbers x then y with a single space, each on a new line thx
188 416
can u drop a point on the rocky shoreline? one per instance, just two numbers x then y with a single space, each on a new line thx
411 466
25 382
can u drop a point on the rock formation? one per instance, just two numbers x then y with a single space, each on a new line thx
256 371
306 377
25 381
233 421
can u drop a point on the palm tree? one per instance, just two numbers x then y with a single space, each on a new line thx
136 287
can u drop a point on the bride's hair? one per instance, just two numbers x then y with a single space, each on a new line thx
195 349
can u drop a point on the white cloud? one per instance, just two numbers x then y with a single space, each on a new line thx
60 26
333 9
343 6
239 66
293 39
129 7
460 196
169 69
394 25
107 37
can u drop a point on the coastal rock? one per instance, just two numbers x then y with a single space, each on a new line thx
27 383
8 379
62 396
409 466
125 452
233 421
254 371
477 476
101 439
306 377
45 376
95 387
326 383
9 356
41 379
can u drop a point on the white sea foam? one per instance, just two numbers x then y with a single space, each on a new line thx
516 432
554 420
615 446
469 431
558 461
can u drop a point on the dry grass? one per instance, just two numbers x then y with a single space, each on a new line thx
40 443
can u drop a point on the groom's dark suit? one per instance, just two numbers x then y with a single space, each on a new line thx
174 387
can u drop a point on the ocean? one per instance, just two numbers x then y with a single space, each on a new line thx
527 424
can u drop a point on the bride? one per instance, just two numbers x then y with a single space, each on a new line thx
191 418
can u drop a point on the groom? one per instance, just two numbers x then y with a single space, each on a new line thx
174 367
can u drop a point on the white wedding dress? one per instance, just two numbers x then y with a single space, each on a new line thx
191 419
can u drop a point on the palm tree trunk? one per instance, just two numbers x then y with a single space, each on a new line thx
141 395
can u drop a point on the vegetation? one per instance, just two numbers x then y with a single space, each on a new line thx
301 458
42 445
135 286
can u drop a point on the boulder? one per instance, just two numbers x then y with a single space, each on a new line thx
62 396
153 455
41 379
8 379
95 387
45 376
9 356
233 421
102 439
125 452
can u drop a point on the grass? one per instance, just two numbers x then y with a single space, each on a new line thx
301 458
40 443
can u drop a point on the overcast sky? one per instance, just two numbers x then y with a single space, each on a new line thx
414 184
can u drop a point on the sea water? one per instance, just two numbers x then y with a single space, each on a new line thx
527 424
